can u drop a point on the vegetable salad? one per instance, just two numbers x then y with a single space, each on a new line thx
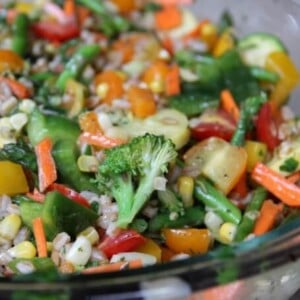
133 134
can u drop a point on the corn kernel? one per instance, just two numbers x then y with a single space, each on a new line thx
87 163
227 232
10 226
212 221
18 120
27 106
80 251
91 234
185 186
102 90
24 249
157 86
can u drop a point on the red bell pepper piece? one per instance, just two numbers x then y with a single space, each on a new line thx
123 241
219 124
56 32
266 127
69 193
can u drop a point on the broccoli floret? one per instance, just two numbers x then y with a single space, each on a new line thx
128 171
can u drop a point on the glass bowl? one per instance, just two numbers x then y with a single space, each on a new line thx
267 267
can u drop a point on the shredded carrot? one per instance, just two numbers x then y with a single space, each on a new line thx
17 88
267 218
279 186
167 18
100 140
70 8
36 196
230 291
40 237
228 104
294 178
196 32
82 13
173 81
117 266
46 165
11 15
167 43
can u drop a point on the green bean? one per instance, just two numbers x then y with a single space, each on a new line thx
214 199
193 104
249 109
249 216
193 216
76 64
20 34
264 75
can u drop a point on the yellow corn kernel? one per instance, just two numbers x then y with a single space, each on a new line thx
157 86
209 34
102 90
227 232
10 226
91 234
24 249
87 163
49 246
185 186
256 152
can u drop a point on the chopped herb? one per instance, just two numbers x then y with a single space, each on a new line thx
289 165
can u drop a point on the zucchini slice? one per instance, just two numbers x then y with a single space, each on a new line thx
256 47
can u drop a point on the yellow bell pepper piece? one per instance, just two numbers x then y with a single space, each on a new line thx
256 152
190 241
283 65
12 179
224 43
151 248
209 34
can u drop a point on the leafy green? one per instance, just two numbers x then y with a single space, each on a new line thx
289 165
19 153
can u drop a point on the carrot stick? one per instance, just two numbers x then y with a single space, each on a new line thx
46 166
100 140
167 18
195 33
282 188
36 196
173 81
117 266
294 178
70 8
40 237
167 43
267 217
17 88
228 103
241 188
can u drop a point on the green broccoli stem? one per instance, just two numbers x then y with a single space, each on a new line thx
249 109
124 187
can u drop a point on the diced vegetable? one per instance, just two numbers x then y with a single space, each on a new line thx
256 47
190 241
217 160
12 179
